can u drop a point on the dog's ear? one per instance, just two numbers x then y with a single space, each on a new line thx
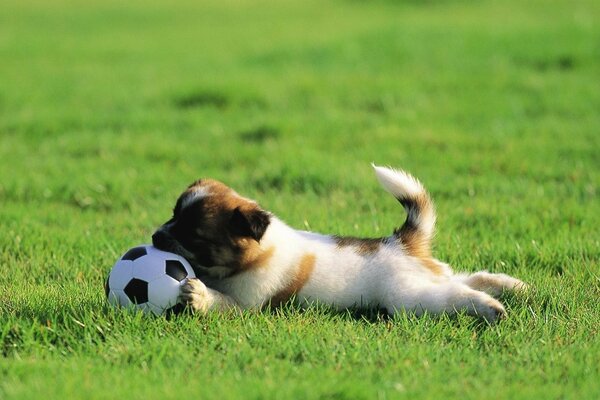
249 223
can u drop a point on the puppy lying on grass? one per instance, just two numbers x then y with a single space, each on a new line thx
248 258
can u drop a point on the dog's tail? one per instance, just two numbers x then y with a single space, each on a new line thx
416 232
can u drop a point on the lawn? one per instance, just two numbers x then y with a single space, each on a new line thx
108 109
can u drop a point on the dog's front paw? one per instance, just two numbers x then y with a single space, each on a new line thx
194 294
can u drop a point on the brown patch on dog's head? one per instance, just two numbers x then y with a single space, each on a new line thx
303 272
216 229
363 247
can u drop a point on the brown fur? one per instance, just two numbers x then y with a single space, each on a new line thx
363 247
416 242
416 246
244 253
253 256
222 200
303 272
432 266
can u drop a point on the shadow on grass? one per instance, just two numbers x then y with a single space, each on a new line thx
33 327
377 315
202 98
260 134
221 100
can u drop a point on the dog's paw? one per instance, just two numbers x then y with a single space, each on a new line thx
520 287
494 284
511 284
489 309
194 294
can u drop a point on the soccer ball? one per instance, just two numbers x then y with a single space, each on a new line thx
148 279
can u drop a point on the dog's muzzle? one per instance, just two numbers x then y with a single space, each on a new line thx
163 241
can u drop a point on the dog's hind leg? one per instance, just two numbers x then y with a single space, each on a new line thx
492 284
448 297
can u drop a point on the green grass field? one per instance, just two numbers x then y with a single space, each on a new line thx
108 109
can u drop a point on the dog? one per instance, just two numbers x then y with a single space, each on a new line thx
247 258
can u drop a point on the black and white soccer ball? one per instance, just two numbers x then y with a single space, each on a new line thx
148 279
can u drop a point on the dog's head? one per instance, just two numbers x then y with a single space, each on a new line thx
215 229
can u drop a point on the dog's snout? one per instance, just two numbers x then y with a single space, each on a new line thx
161 240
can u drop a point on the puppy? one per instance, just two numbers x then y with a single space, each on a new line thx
247 258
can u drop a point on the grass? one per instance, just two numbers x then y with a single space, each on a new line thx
109 109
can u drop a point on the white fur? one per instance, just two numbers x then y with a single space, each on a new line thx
343 277
403 185
398 183
197 192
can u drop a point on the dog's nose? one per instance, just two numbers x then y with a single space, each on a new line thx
161 239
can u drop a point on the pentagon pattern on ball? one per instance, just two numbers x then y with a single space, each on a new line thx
148 268
176 270
137 291
148 279
120 275
135 253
